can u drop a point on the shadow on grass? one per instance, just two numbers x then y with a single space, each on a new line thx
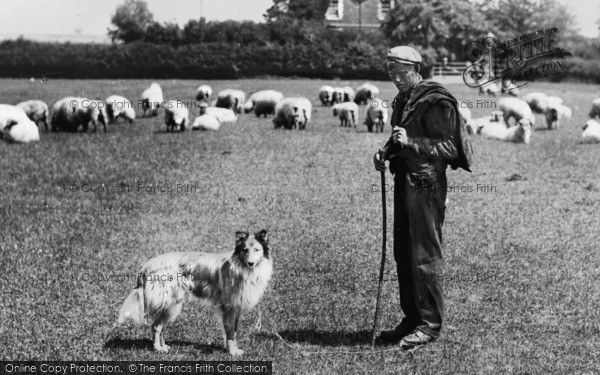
335 338
129 344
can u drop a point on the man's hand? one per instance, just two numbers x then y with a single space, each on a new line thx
399 136
379 162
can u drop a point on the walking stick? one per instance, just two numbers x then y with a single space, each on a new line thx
383 243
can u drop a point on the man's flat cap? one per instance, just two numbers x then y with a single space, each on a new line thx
404 55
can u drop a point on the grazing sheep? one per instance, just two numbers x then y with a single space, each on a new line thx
474 125
489 88
118 106
37 111
232 99
292 112
222 114
348 93
176 115
591 132
338 95
555 112
70 113
206 122
377 116
537 101
595 110
263 102
365 93
22 132
517 134
152 99
203 93
347 112
326 95
510 88
515 108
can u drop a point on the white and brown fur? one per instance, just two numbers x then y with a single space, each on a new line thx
234 282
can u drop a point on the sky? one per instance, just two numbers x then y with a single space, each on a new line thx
92 17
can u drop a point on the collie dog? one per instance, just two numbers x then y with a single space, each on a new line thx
234 282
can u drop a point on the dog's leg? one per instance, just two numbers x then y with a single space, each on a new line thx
230 320
258 324
157 329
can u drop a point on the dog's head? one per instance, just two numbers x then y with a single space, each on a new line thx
252 249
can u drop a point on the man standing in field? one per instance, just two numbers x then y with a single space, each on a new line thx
428 135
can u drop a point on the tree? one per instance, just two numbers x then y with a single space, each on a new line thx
301 10
131 19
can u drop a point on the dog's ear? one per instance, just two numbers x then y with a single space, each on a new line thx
262 236
240 236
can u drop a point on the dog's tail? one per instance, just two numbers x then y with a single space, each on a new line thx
133 307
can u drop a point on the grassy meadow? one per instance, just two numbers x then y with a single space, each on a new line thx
522 265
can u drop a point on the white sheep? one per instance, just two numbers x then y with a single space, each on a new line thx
176 115
232 99
537 101
517 134
70 113
591 132
37 111
515 108
377 115
347 112
152 99
489 88
348 93
206 122
465 112
338 95
595 110
204 92
555 111
118 106
474 125
22 132
326 95
222 114
263 102
10 115
292 112
365 93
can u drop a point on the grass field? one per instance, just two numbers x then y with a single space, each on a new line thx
522 262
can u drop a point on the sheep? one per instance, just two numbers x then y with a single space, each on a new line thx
37 111
118 106
232 99
176 115
152 99
377 115
489 88
206 122
263 102
203 93
347 112
222 114
22 132
326 95
292 112
10 114
591 132
517 134
465 112
595 110
338 95
365 93
555 112
474 125
70 113
510 88
348 93
537 101
515 108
